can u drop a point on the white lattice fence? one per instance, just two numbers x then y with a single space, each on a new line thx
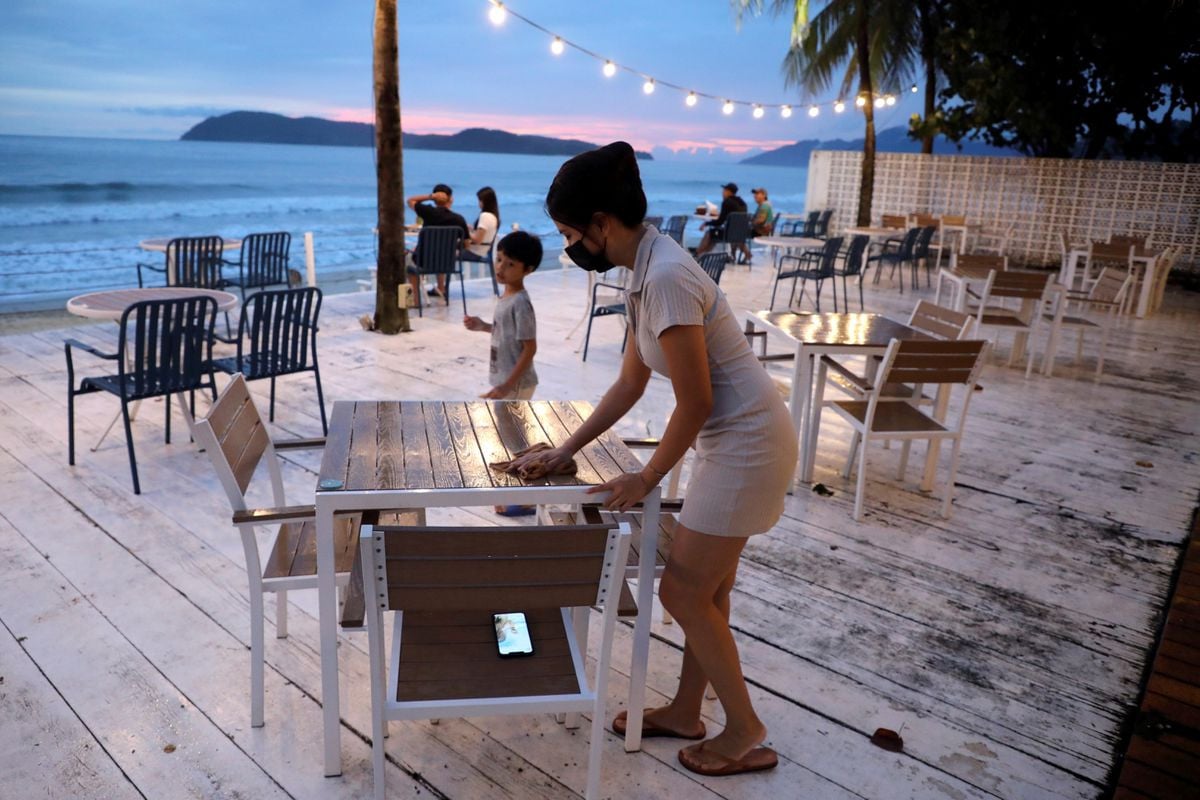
1086 200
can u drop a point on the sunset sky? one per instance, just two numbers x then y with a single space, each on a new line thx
154 68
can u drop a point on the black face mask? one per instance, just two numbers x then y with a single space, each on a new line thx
586 259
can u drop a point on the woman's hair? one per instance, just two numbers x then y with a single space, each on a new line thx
488 202
605 180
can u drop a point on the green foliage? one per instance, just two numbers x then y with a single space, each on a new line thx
1071 78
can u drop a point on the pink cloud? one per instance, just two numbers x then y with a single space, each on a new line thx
646 135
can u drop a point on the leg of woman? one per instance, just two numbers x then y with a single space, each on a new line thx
699 565
682 714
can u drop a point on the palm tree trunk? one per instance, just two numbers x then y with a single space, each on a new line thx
389 173
866 187
928 34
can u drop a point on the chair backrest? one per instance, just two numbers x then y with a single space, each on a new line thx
1064 244
236 439
655 221
822 229
519 568
925 220
852 262
277 334
829 254
909 243
167 345
265 258
1119 252
1128 240
895 221
1020 284
437 249
737 227
675 226
940 322
195 262
810 224
714 265
924 239
954 219
925 362
977 263
1110 286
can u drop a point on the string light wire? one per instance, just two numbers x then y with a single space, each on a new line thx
499 12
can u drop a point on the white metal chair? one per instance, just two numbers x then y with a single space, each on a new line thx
1106 297
1032 290
918 363
237 441
1102 255
963 268
445 584
994 241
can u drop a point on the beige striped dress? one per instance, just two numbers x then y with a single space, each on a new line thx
746 452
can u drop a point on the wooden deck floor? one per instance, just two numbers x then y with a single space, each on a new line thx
1005 644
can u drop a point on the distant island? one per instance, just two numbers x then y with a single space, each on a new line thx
265 128
889 140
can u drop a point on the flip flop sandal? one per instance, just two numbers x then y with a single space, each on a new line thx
757 760
652 731
517 511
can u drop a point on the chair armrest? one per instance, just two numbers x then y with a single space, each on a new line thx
226 339
262 516
848 374
75 343
143 265
610 285
777 357
300 444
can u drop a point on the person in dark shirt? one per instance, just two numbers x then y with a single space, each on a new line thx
438 213
730 203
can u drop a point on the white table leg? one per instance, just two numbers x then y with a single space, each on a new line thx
327 617
1147 291
641 626
800 400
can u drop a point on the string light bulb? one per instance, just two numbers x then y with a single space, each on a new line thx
497 14
839 107
813 111
860 101
879 101
610 69
914 89
727 109
648 86
785 111
758 112
557 46
691 99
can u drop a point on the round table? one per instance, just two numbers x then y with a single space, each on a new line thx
111 304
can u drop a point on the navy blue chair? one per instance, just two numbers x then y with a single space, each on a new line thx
815 265
897 252
655 221
609 307
852 264
262 262
164 348
193 262
277 335
714 265
674 227
821 226
437 246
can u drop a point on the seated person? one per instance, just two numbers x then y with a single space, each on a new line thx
437 214
730 203
483 234
763 222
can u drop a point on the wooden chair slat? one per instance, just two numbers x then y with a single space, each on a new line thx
493 597
530 570
931 376
228 407
446 542
919 361
247 461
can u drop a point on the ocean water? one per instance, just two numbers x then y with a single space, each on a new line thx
73 210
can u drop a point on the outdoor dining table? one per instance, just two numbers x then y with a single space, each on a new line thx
111 304
816 335
1141 255
160 245
424 454
787 244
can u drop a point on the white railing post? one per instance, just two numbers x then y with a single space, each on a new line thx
310 261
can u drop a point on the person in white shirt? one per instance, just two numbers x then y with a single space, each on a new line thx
484 231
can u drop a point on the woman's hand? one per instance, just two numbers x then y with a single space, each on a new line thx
497 392
541 462
474 324
626 491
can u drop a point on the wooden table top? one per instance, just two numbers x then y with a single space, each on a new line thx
838 329
393 445
112 303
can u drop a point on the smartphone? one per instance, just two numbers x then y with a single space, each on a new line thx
512 635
